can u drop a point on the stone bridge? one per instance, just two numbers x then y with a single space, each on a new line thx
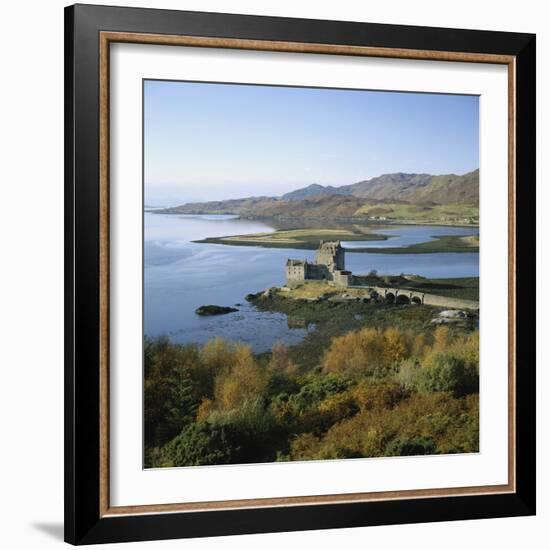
400 295
406 296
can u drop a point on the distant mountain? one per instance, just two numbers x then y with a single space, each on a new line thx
324 206
317 206
355 200
448 188
231 206
390 186
313 190
401 187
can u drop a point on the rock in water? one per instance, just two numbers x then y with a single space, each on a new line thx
214 310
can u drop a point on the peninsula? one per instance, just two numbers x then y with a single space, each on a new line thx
390 198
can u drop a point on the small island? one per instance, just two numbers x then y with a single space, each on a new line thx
214 310
308 239
327 273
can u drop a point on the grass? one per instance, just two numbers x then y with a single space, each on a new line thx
466 288
434 213
449 243
297 238
311 289
315 289
309 238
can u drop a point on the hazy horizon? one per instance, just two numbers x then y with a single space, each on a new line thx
181 202
206 141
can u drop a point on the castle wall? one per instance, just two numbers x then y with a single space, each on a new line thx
329 259
342 278
318 272
295 274
333 256
340 259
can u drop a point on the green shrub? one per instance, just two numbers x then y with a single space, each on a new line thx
408 373
170 391
411 447
448 372
200 444
315 390
281 383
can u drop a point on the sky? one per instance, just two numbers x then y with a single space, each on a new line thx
206 141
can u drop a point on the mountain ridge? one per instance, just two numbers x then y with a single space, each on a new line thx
398 186
425 192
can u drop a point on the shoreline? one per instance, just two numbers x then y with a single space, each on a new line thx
333 318
352 220
439 245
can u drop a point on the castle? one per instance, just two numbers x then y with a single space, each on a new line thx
329 265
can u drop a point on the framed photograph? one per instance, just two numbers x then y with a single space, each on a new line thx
300 274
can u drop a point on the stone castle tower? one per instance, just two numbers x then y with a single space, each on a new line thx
332 255
329 265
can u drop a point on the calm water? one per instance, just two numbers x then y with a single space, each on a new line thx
180 275
411 234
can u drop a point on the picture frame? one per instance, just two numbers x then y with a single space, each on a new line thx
90 31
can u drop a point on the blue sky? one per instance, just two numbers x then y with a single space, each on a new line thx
207 141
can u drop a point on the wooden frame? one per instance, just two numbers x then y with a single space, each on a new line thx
89 516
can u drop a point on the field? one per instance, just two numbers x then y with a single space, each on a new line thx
309 238
466 288
448 243
298 238
423 213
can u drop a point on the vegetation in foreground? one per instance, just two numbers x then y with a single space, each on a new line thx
369 392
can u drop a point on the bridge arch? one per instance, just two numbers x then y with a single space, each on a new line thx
402 299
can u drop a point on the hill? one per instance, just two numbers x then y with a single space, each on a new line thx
389 186
408 197
448 189
315 189
401 187
232 206
317 206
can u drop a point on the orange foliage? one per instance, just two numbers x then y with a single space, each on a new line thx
243 380
360 352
